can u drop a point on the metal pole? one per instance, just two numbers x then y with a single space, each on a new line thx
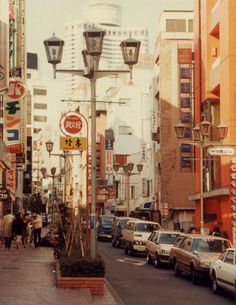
53 176
65 178
93 250
201 191
127 194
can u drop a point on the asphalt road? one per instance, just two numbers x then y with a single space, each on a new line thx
138 283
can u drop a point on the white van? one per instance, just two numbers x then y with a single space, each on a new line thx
136 233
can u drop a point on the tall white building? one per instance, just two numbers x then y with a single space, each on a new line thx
105 14
130 119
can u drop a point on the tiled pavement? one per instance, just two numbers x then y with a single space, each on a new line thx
27 276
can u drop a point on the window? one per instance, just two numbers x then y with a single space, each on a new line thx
185 73
132 189
40 106
188 244
187 132
190 25
185 102
38 91
175 25
185 88
186 148
185 117
39 118
229 258
125 130
186 162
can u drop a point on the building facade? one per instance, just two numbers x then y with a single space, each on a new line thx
215 95
173 91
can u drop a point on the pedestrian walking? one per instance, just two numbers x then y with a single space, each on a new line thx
17 229
7 228
37 224
25 236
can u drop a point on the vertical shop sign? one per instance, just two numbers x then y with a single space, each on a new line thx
12 115
4 44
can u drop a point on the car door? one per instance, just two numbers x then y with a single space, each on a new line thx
185 256
153 244
226 271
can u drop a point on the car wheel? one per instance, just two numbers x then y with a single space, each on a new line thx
215 287
130 251
177 270
148 258
194 276
157 262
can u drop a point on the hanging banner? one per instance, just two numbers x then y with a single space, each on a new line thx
4 44
12 116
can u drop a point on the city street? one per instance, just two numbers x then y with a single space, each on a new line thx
141 284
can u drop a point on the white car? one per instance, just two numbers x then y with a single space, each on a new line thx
158 246
136 233
223 271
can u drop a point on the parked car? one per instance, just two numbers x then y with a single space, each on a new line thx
193 254
158 246
136 233
117 231
104 227
223 271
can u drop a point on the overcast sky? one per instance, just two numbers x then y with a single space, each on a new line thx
44 17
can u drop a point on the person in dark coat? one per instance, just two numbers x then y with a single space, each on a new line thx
17 229
7 228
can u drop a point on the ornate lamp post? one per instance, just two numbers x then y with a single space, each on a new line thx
94 43
53 176
127 171
200 139
49 146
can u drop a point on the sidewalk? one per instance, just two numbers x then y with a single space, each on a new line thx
27 276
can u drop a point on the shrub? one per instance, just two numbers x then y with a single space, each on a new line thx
75 266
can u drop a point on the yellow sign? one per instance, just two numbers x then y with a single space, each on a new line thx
72 143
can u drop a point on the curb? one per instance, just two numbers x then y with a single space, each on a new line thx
113 292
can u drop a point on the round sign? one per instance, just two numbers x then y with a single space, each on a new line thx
16 90
71 123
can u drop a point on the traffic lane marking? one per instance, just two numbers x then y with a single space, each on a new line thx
131 261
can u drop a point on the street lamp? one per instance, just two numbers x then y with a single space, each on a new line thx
49 146
127 171
53 176
200 139
94 42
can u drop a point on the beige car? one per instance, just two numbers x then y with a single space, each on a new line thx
193 254
158 246
136 234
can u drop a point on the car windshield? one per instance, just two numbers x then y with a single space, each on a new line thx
107 221
210 245
167 238
146 227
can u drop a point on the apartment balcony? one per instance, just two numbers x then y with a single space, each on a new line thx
215 77
215 20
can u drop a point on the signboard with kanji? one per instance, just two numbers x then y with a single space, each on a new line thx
73 143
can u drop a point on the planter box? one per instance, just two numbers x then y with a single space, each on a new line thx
95 284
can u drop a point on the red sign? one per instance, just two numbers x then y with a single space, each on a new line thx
16 90
73 124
